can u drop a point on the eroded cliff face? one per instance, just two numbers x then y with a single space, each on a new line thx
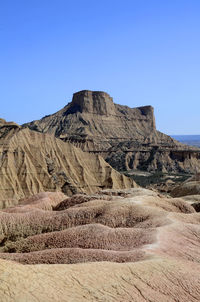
92 116
32 162
126 137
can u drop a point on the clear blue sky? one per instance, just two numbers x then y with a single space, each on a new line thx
140 51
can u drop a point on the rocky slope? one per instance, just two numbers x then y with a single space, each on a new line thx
126 137
32 162
127 245
189 187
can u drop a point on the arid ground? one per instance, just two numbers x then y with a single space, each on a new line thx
120 245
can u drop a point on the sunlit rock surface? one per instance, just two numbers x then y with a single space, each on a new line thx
126 137
32 162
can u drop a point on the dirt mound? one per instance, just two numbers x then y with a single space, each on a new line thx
92 236
43 201
75 200
75 255
153 239
114 214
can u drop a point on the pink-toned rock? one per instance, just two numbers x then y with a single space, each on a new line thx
136 247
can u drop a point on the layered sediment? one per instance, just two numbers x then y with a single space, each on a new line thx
32 162
126 137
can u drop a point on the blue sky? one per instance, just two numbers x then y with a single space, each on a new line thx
142 52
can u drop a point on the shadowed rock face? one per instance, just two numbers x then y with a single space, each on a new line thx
189 187
126 137
136 246
93 102
32 162
189 191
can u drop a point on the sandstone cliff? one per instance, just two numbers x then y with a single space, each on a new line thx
32 162
126 137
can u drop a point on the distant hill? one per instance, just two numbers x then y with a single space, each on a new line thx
192 140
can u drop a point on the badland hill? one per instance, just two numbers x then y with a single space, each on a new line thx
126 137
32 162
127 245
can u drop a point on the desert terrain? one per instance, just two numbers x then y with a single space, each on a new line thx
73 228
118 245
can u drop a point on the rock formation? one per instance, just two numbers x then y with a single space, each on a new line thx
126 137
109 241
126 245
189 187
32 162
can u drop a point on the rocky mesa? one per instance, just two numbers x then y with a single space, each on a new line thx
126 137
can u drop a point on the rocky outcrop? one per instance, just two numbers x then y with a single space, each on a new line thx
32 162
126 137
189 187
